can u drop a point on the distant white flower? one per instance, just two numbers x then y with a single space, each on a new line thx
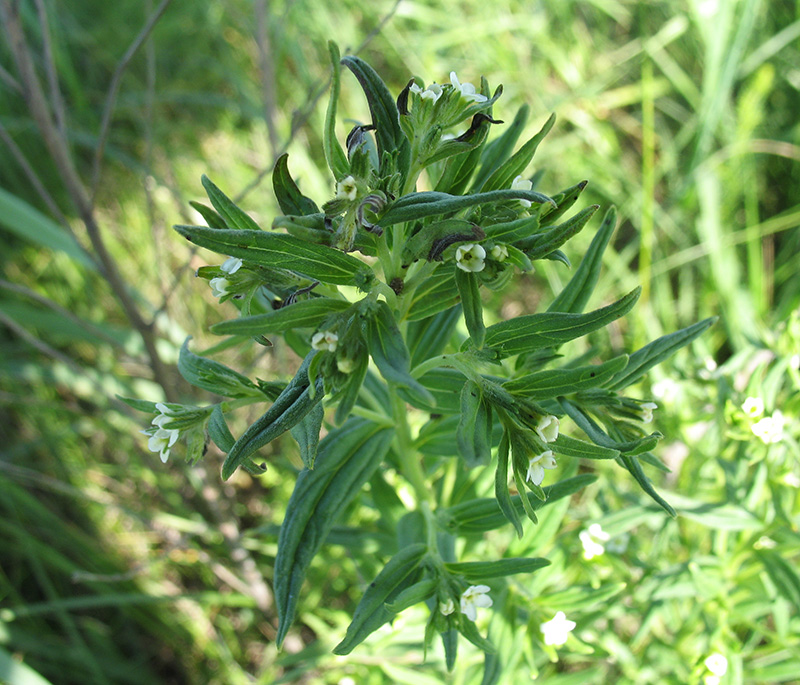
325 340
219 286
717 664
646 411
346 189
467 90
666 389
520 183
753 407
162 441
592 540
231 265
537 465
470 257
770 428
432 92
557 630
475 597
794 362
499 253
791 480
448 607
547 428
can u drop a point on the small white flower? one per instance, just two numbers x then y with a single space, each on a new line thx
557 630
520 183
432 92
346 189
592 540
770 428
163 416
647 411
753 407
467 90
537 465
231 265
547 428
717 664
325 340
475 597
219 286
499 253
162 441
448 607
470 257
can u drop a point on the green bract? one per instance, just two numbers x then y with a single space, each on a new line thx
402 368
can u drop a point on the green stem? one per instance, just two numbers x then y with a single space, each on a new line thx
410 460
376 417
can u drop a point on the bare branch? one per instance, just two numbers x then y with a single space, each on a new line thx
50 69
9 80
267 69
111 98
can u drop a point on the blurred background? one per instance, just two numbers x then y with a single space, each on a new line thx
116 568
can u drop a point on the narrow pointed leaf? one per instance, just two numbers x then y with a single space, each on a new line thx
234 217
483 570
290 199
334 154
304 314
550 383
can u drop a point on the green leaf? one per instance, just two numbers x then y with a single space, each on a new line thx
501 493
576 293
346 459
213 219
503 177
276 250
550 383
16 672
598 436
290 199
534 331
571 447
582 598
140 405
306 434
500 149
543 244
483 570
416 593
304 314
218 430
656 352
388 133
234 217
389 351
432 203
428 337
215 377
435 294
635 468
467 283
334 155
30 224
565 200
288 410
371 612
474 432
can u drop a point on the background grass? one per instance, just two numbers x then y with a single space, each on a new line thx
114 568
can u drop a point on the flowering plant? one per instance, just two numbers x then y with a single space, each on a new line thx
402 383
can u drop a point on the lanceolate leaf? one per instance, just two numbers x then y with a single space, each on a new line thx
346 459
289 197
656 352
276 250
306 434
500 149
334 155
467 283
371 613
483 570
543 385
576 293
215 377
234 216
526 333
303 314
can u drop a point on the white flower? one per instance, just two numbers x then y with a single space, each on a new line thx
770 428
592 540
557 630
717 664
325 340
547 428
467 90
753 407
448 607
470 257
520 183
794 362
162 440
163 416
647 411
499 253
537 465
432 92
346 189
475 597
231 265
219 286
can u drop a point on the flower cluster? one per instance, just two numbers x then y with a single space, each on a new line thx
161 439
220 285
592 540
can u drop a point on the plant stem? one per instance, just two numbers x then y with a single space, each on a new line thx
410 461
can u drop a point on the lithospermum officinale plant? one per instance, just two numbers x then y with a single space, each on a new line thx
370 289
